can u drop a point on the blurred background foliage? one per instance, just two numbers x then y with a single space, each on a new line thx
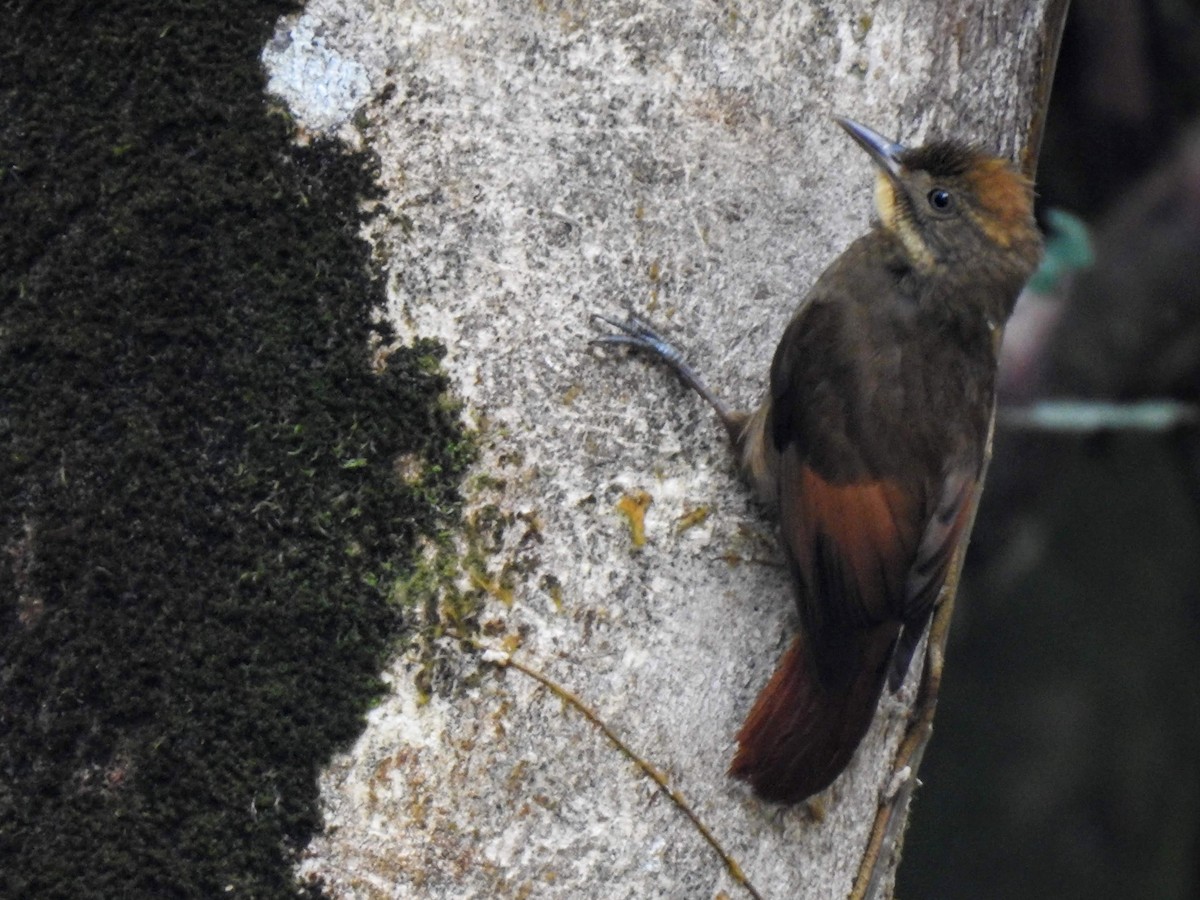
1067 756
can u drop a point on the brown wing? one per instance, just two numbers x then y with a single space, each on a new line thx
866 552
869 558
943 531
850 546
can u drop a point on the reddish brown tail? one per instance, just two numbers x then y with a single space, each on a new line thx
803 728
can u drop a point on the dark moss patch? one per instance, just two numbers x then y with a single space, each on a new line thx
199 506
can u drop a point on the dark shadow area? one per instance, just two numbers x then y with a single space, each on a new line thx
200 516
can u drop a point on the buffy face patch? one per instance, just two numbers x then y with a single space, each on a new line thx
895 217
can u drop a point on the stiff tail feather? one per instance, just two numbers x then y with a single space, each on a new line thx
804 727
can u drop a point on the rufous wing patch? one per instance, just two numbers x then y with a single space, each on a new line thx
853 543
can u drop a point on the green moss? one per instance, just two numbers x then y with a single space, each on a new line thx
200 514
446 594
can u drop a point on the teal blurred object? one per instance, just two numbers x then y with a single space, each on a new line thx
1068 249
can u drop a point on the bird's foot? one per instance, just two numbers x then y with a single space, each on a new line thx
636 332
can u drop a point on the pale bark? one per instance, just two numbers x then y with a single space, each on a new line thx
542 161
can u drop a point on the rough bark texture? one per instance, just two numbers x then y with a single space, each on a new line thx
543 161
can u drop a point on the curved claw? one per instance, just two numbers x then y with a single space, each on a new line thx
636 332
634 326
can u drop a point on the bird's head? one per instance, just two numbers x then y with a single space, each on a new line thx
955 208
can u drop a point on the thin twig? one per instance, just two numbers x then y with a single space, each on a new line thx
503 659
890 816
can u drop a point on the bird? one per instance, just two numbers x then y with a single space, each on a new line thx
870 442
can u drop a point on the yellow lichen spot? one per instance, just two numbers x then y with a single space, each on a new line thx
518 774
633 507
552 586
817 808
494 586
571 394
654 273
512 643
692 518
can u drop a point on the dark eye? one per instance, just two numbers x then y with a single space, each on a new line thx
940 199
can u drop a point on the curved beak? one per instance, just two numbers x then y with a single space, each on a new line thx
885 153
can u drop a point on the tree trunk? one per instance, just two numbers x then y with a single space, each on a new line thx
540 162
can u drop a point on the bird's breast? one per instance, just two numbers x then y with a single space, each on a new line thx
887 390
